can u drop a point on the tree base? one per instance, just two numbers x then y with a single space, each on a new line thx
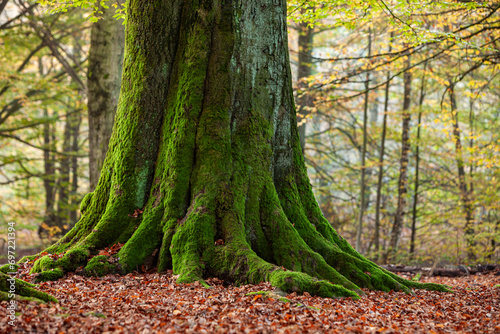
238 263
204 173
16 289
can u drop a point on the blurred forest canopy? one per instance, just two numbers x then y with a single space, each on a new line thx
397 101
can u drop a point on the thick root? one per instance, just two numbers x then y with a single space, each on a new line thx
13 288
238 263
49 269
291 281
315 231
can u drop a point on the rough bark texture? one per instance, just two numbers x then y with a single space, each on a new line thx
397 225
416 183
48 176
304 70
362 193
381 158
465 193
103 82
204 172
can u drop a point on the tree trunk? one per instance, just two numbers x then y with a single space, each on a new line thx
63 201
75 130
381 158
49 176
48 179
204 173
104 77
417 169
397 225
363 151
305 99
465 194
493 242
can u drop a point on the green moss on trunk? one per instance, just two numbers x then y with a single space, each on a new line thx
205 173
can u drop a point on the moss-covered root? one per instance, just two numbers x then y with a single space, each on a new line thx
13 288
292 281
424 286
49 269
9 268
100 266
240 264
193 237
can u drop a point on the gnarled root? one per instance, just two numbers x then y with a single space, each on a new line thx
16 289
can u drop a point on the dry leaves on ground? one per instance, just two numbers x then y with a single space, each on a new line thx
152 302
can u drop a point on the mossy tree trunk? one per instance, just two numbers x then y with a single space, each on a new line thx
204 172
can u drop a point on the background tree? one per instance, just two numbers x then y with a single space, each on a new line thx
107 41
40 111
457 42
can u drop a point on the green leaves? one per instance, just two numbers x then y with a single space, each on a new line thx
95 6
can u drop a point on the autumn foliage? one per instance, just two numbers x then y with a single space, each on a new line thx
152 302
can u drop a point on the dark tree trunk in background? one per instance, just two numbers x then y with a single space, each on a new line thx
49 172
465 193
305 66
494 243
362 194
63 185
417 169
75 131
204 172
48 177
378 203
397 225
104 77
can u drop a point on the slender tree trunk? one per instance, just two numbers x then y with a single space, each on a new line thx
74 168
417 168
381 158
397 225
496 232
305 99
465 194
471 145
48 178
363 152
104 78
64 185
204 172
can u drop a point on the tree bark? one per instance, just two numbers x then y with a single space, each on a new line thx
48 178
75 131
104 78
204 173
362 195
465 193
381 158
305 99
397 225
417 169
63 185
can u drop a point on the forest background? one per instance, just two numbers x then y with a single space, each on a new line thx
397 103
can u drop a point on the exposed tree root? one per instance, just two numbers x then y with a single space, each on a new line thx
16 289
210 241
204 172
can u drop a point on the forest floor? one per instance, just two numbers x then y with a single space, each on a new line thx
152 302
